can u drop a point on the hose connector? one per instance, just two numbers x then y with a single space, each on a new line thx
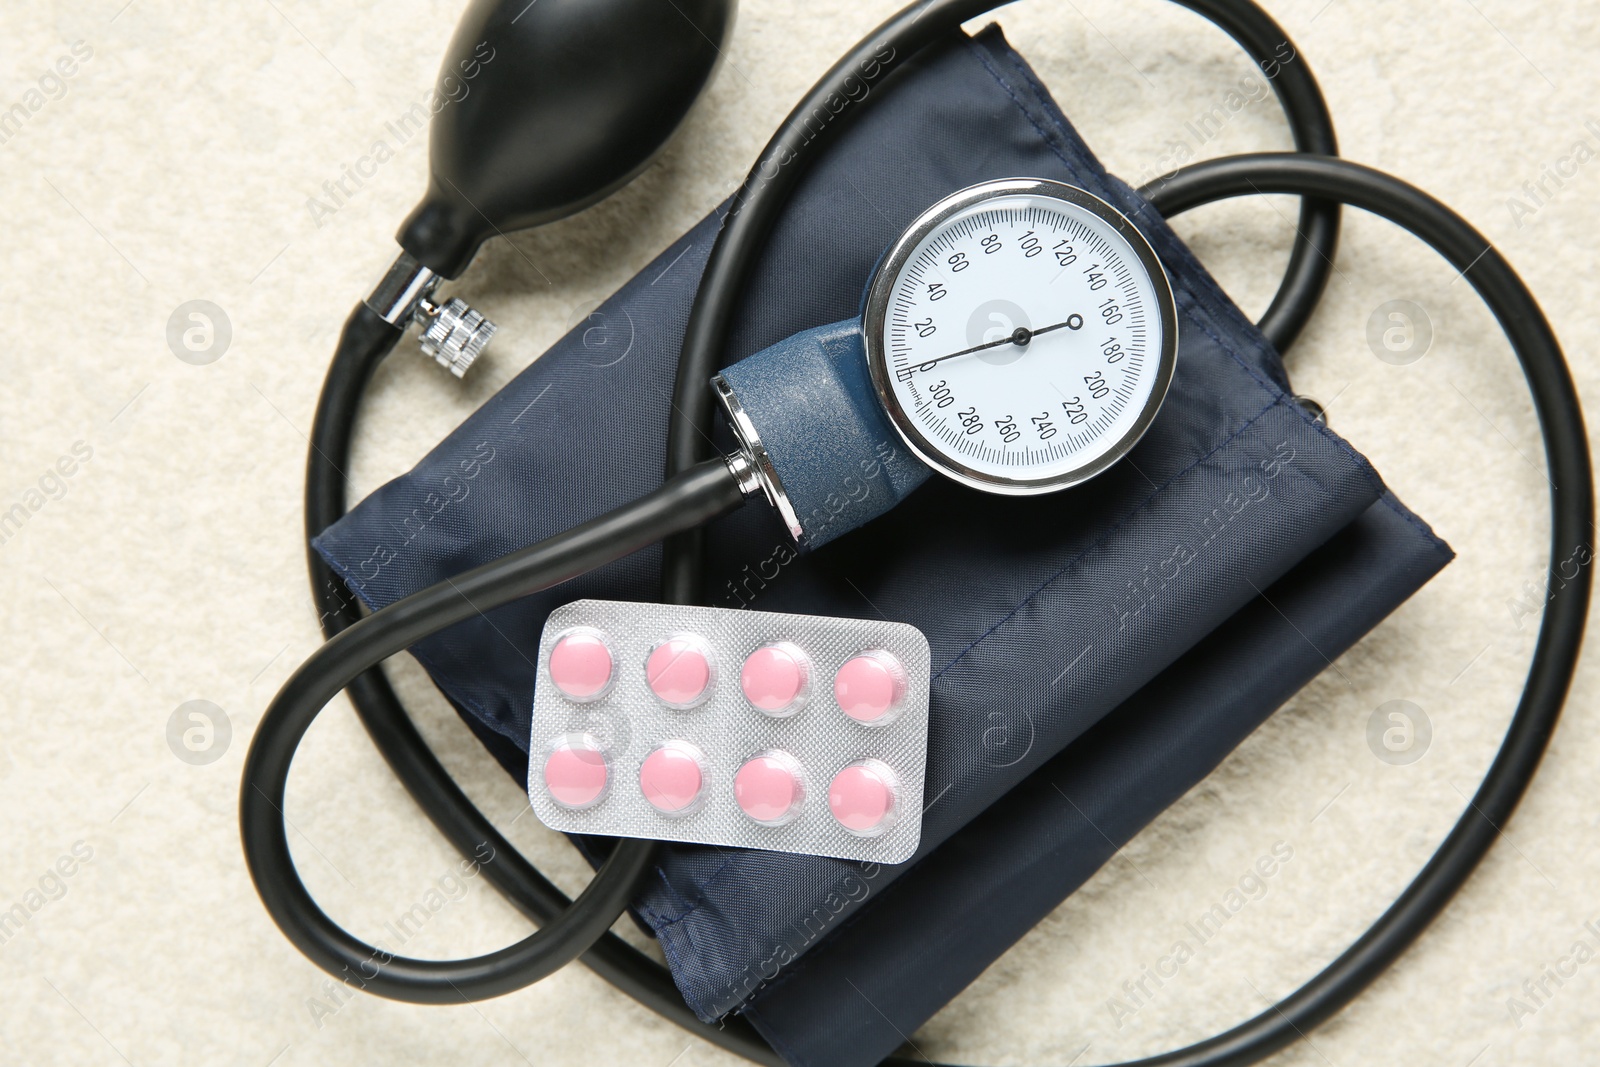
813 433
750 466
453 333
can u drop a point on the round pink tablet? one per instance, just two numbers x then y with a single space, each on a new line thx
769 789
679 671
774 678
575 772
580 665
861 797
870 687
672 778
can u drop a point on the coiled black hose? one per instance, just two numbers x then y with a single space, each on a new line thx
365 342
698 495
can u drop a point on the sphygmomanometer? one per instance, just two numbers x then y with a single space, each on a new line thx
989 397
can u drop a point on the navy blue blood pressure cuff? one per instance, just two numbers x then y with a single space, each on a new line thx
1109 644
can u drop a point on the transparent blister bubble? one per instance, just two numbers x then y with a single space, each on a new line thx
768 754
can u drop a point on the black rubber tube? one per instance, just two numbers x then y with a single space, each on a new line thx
1317 234
696 496
365 342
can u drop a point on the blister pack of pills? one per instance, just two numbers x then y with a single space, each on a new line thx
794 733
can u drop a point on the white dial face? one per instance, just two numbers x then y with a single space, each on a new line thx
1022 342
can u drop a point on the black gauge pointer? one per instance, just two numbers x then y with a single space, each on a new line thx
1019 337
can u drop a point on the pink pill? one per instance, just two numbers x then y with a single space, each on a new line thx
870 687
862 797
769 788
672 778
774 678
679 671
575 773
580 665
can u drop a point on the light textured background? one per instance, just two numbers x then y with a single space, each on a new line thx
178 165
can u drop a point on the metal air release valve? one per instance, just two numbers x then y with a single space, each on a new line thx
452 333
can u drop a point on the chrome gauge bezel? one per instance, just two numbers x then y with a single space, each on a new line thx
875 317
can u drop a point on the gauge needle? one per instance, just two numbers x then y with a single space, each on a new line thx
1019 337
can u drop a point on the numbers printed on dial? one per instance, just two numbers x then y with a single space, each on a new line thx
984 343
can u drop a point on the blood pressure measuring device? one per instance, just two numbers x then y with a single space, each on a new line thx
1018 338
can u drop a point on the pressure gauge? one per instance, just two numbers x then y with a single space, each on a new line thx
1021 336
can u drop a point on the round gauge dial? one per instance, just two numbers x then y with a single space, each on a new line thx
1021 336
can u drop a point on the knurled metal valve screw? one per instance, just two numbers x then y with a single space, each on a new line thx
454 334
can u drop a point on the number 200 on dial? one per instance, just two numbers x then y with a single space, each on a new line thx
1021 336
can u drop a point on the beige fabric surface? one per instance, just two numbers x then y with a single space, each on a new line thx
177 162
